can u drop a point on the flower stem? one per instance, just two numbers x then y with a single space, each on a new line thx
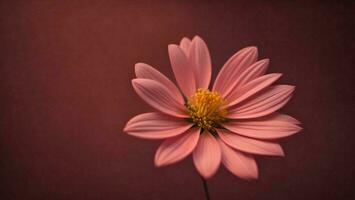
205 187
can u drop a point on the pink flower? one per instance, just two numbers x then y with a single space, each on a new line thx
227 124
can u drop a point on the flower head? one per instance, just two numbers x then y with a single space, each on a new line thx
228 123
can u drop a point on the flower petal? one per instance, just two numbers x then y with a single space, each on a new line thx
185 45
177 148
238 163
268 127
201 62
249 145
265 102
146 71
254 86
207 155
233 68
159 97
254 71
182 69
156 126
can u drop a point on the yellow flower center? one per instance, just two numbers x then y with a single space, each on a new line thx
205 109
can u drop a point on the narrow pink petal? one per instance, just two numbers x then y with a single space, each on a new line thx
265 102
233 68
182 69
254 71
177 148
251 88
185 45
201 62
207 155
268 127
145 71
156 126
240 164
159 97
249 145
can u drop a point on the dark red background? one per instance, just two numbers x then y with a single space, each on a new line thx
66 96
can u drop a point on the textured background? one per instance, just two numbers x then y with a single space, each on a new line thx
66 95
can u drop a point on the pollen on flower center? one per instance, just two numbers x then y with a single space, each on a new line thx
205 109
